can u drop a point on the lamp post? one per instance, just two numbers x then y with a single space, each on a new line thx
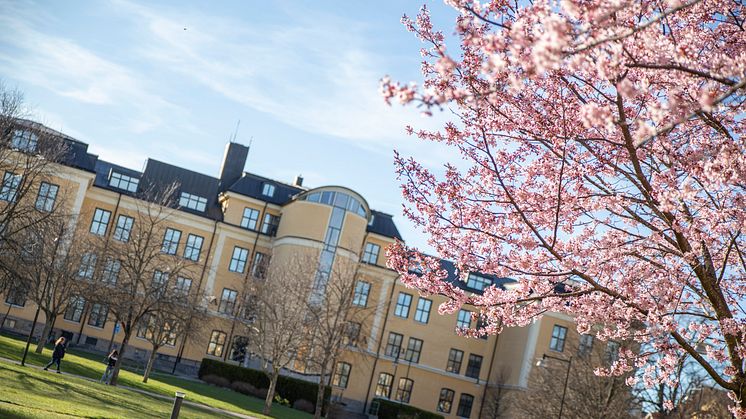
542 363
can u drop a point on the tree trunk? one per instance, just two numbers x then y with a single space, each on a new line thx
122 349
270 392
151 361
320 394
48 325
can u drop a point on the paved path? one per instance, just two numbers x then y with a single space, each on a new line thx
156 395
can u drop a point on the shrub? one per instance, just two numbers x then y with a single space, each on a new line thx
216 380
261 393
288 388
390 410
243 388
282 402
304 405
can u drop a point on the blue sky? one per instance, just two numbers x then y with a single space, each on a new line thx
171 80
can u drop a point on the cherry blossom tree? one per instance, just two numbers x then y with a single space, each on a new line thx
598 160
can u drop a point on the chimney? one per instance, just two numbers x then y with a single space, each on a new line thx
298 181
234 162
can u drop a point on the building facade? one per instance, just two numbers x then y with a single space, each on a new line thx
231 224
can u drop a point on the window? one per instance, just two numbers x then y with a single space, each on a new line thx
87 266
269 226
393 347
404 391
586 345
217 343
455 357
74 310
464 319
97 318
478 282
46 197
24 140
352 333
250 218
238 260
124 228
268 190
227 301
362 289
402 305
474 366
110 273
341 374
16 297
183 285
259 266
122 181
143 326
370 255
9 190
612 352
195 202
100 221
464 405
383 387
446 400
422 314
160 279
558 338
414 349
171 241
193 247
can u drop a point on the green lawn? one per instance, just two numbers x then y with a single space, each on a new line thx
30 393
89 365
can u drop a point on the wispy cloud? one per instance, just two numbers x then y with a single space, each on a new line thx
66 68
303 72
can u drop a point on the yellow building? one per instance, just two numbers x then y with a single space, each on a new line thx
230 224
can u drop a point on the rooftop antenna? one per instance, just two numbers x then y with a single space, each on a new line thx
251 140
235 133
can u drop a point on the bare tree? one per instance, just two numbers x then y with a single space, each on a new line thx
178 316
136 267
587 395
685 394
48 265
281 327
28 156
336 321
497 397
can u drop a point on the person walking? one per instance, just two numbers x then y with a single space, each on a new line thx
58 354
111 361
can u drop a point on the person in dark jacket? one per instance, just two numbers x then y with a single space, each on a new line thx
111 361
58 354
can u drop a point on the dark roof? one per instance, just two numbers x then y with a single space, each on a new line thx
75 152
453 277
103 171
252 185
159 176
383 224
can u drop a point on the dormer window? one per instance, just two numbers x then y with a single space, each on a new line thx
122 181
478 282
24 140
194 202
268 190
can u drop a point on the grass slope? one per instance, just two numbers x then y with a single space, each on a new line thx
92 366
30 393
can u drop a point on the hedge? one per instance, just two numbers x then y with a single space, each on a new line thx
393 410
287 387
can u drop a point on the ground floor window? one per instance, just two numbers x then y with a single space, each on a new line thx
383 388
97 318
16 297
446 400
341 374
464 405
217 343
404 391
